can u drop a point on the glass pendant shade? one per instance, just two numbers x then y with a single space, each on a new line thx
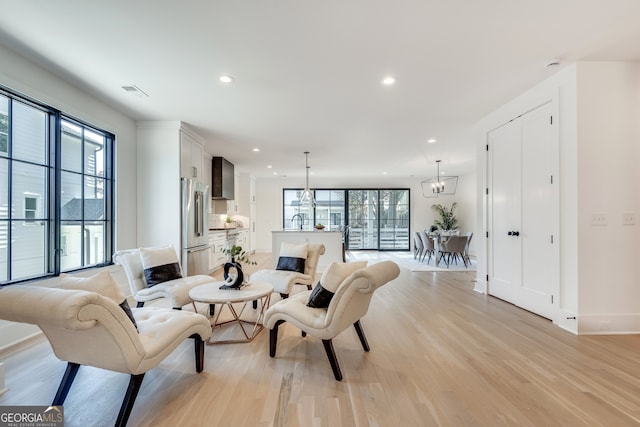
306 198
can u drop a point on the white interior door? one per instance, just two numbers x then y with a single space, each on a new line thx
504 195
539 211
523 211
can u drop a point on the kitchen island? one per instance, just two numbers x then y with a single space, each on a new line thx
332 241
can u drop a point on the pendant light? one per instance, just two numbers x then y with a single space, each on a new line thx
439 185
306 198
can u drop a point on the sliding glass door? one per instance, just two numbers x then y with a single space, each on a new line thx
377 219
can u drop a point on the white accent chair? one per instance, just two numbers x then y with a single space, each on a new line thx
348 305
85 328
177 290
283 281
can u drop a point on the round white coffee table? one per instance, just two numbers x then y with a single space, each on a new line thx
211 293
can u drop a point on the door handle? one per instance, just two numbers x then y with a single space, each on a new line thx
509 233
516 233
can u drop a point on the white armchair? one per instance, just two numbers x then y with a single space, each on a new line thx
85 328
283 280
348 305
176 290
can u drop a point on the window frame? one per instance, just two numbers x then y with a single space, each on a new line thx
49 206
313 218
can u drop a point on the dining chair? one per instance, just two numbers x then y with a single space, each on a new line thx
418 246
465 254
453 247
429 246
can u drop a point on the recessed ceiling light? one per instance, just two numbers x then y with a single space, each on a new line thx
256 149
384 173
269 166
431 141
275 173
388 81
226 79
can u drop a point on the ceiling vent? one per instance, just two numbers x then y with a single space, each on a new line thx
135 90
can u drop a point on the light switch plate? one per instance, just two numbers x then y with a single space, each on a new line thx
628 218
599 218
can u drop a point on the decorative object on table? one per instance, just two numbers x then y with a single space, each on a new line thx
306 198
319 226
440 185
447 220
233 275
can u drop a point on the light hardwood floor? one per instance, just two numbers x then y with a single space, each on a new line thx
441 355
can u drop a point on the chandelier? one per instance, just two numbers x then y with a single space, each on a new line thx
306 198
439 185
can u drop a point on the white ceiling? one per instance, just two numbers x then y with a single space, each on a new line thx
307 73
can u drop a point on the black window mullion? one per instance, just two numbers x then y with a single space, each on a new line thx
10 184
55 183
109 185
83 177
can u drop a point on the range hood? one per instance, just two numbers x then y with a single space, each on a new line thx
222 179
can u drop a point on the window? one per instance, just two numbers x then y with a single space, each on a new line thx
377 218
55 191
31 208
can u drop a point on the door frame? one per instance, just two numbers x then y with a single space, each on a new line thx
487 207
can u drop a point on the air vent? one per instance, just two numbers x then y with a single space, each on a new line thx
134 90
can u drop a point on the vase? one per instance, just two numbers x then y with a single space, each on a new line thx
232 280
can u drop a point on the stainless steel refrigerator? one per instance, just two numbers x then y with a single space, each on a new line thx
195 227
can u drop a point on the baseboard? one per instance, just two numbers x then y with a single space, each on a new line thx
608 324
480 286
13 334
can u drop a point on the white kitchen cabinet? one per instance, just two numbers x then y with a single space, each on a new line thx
217 243
243 239
191 158
206 168
245 193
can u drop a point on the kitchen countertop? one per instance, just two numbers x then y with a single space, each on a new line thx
227 228
305 231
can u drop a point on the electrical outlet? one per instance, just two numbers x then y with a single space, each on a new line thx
628 218
599 218
605 325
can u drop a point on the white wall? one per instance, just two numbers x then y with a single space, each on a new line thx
609 139
21 75
159 184
269 202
